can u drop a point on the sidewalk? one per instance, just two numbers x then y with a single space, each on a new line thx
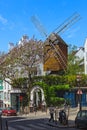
71 123
45 115
35 115
71 120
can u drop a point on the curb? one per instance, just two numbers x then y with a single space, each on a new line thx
60 126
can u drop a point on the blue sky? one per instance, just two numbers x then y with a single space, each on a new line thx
15 20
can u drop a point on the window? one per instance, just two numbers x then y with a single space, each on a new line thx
5 95
8 95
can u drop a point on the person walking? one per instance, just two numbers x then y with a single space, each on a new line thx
51 111
56 114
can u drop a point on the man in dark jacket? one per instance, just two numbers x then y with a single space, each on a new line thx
51 111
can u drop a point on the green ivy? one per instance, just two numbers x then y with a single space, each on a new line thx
56 101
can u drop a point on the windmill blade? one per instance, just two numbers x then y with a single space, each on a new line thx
67 23
62 59
38 25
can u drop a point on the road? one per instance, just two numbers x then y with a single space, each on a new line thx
20 123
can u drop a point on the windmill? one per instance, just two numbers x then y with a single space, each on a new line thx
54 38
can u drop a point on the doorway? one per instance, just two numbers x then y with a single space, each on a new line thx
37 96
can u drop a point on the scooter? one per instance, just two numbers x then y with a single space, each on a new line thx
62 117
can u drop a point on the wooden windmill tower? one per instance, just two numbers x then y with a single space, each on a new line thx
55 49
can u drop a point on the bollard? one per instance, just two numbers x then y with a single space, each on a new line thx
0 122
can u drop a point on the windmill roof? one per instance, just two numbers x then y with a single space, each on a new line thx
54 38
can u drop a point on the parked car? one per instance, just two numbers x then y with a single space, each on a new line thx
9 111
1 110
81 119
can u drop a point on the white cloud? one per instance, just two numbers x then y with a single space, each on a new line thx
3 20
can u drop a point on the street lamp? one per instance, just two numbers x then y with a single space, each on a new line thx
79 92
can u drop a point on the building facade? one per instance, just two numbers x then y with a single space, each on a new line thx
52 59
85 56
1 93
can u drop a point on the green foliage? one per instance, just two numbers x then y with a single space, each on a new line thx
19 83
71 48
74 62
45 88
50 92
56 101
51 79
68 102
71 80
62 87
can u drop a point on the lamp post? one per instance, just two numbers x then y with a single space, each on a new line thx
79 92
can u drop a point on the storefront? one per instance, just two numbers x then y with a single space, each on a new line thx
76 97
15 98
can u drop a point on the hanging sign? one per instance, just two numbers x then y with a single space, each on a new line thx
79 91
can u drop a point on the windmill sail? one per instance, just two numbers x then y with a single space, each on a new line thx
52 38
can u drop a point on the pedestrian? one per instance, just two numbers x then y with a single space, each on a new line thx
51 111
56 114
35 108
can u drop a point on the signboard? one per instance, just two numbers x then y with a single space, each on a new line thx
79 91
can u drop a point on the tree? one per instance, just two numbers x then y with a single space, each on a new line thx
73 65
30 55
22 61
8 69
